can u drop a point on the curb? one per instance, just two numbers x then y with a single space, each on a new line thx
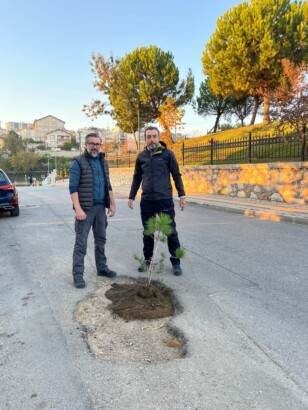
268 215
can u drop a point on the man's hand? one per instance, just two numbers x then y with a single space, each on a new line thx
131 203
182 203
80 214
111 210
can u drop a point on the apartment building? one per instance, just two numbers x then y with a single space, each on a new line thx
16 126
2 135
2 131
57 138
44 125
27 133
81 133
23 129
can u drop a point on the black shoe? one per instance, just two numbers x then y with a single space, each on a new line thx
107 272
144 266
79 283
177 270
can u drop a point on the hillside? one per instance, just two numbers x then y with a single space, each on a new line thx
237 133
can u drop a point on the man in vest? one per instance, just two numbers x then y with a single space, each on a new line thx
91 194
153 168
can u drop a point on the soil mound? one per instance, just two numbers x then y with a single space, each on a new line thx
139 301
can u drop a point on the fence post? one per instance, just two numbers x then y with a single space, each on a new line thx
183 152
212 148
117 160
304 143
249 148
128 159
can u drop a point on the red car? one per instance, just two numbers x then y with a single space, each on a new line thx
8 195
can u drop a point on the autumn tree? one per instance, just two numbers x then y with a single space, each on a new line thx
170 117
104 71
244 53
290 102
137 85
108 146
125 148
208 103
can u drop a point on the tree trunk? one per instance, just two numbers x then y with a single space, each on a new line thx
265 104
135 138
216 123
255 110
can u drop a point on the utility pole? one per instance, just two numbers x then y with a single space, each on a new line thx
138 130
56 164
79 132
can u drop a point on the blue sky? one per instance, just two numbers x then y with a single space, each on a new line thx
46 46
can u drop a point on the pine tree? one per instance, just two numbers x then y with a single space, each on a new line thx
244 53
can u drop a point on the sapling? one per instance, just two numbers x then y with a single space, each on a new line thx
158 226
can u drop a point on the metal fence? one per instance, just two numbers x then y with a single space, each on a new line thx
234 151
247 150
121 161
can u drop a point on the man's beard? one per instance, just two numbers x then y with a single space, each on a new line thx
93 154
152 146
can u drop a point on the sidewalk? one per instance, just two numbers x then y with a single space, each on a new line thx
267 210
273 211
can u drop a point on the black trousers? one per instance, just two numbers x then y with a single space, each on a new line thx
149 209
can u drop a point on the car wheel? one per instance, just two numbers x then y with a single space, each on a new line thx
15 211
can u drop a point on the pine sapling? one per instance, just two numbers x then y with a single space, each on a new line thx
158 226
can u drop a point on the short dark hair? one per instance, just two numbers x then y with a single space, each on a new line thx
92 134
151 128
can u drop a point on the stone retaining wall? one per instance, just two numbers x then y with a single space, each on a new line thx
282 182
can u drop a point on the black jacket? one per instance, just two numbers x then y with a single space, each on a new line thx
154 171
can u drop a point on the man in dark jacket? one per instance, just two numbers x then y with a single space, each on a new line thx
91 194
153 168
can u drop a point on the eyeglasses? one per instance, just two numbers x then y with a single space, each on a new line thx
149 136
92 144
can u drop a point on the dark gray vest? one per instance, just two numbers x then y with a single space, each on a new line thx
85 190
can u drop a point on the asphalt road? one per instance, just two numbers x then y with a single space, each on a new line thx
244 297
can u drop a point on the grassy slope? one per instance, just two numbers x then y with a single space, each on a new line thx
237 133
239 153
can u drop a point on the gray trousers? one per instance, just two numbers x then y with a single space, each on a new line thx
97 219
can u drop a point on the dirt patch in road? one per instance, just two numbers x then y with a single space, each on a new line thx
110 337
141 301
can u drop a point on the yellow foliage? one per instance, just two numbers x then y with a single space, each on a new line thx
171 117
